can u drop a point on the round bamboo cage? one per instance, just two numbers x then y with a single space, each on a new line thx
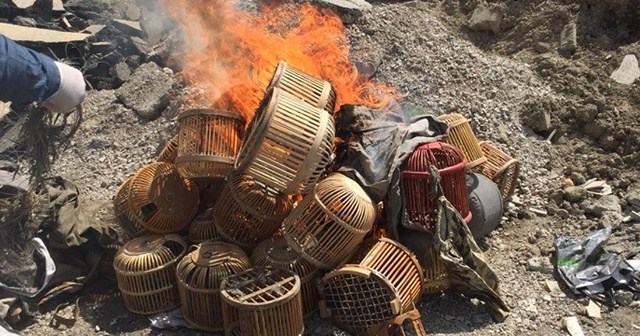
500 168
199 275
249 212
382 280
330 221
289 144
123 213
262 301
161 200
314 91
145 272
209 142
203 228
276 252
417 182
170 151
436 277
461 135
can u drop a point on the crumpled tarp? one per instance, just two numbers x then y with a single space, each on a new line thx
469 272
586 268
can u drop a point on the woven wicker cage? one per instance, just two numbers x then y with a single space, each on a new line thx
289 144
417 183
249 212
312 90
330 221
461 135
262 301
199 275
145 272
170 151
382 280
161 200
123 212
209 142
436 277
500 167
203 228
276 252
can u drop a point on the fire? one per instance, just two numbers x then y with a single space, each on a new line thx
231 55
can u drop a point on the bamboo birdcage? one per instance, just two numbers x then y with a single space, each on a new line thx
276 252
249 212
289 144
379 282
209 141
418 183
199 275
330 221
203 228
461 135
500 168
123 213
262 301
314 91
170 151
161 200
145 272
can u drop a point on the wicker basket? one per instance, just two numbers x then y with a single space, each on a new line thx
276 252
381 281
500 167
461 135
170 151
209 142
312 90
262 301
289 144
161 200
145 271
417 183
249 212
199 275
330 221
203 228
123 213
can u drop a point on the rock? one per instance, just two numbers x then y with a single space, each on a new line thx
121 72
154 25
574 194
537 120
633 197
562 213
24 21
552 286
568 38
556 196
577 178
587 113
624 298
539 264
147 91
628 71
572 325
127 27
30 34
592 310
541 47
348 10
486 19
604 203
594 129
610 219
141 45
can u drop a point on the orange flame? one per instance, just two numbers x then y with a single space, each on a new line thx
231 55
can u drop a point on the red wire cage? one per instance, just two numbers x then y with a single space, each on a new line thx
421 205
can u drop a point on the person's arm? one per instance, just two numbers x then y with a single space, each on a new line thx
27 76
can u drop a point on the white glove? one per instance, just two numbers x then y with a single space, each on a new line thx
71 92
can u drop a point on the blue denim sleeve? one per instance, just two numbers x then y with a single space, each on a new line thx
26 76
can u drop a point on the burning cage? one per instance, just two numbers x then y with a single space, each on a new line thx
203 228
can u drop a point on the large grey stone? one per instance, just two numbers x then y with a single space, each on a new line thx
147 91
568 38
604 203
633 197
348 10
628 71
537 120
486 18
575 194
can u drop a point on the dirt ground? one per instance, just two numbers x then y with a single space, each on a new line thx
427 50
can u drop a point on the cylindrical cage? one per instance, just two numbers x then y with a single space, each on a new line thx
203 228
330 221
123 213
276 252
500 167
161 200
249 212
485 203
199 275
169 151
419 188
436 277
382 280
289 144
145 272
461 135
314 91
262 301
209 141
